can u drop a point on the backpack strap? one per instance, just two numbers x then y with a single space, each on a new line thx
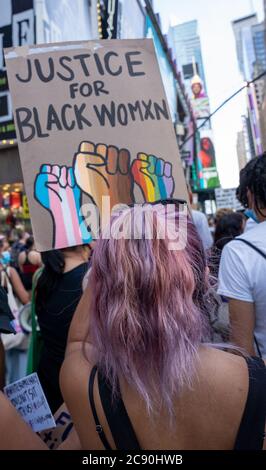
260 252
251 246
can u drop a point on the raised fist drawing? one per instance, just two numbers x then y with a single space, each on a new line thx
102 170
56 190
154 177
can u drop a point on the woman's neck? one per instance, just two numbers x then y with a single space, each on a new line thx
73 260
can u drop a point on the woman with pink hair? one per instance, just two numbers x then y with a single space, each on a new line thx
137 373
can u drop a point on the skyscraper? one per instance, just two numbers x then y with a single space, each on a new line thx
186 45
185 42
242 28
251 55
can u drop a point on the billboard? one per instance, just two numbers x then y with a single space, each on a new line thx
207 160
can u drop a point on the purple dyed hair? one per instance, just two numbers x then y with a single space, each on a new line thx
148 308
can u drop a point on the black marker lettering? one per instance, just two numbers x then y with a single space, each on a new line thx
122 115
24 122
37 124
132 63
135 108
53 119
161 110
71 75
68 127
105 112
29 75
107 58
79 117
39 71
148 113
81 58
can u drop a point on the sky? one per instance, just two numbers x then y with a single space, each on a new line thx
221 67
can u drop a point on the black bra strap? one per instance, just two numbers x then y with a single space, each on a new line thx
116 414
99 428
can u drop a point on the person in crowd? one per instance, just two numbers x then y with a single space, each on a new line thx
242 271
201 222
29 262
136 339
16 348
228 226
6 326
18 288
4 251
18 246
221 212
211 223
58 292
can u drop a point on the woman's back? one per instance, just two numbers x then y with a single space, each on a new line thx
208 416
143 319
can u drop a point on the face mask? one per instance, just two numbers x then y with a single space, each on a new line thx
251 215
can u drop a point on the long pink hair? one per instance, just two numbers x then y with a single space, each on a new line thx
148 311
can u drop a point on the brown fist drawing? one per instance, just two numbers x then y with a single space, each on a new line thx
102 170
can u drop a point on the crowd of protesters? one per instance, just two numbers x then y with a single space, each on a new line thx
130 348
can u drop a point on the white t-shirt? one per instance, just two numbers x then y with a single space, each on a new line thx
202 226
242 276
250 224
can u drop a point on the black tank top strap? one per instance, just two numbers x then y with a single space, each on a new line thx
251 432
99 428
116 415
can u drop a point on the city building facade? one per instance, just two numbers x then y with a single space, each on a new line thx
251 55
186 45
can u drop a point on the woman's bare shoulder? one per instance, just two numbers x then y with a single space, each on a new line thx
225 373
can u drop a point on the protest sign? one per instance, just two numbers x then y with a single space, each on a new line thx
27 396
92 120
227 198
54 437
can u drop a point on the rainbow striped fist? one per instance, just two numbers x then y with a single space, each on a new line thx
153 176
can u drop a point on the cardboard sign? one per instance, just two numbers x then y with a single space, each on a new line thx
92 120
64 425
227 198
27 396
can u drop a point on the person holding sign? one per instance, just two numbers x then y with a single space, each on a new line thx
57 294
136 339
